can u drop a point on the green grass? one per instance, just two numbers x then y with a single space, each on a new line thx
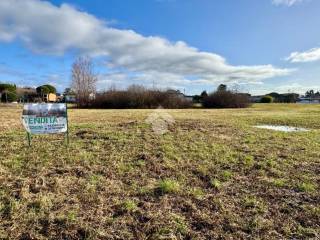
216 183
168 186
306 187
129 206
212 175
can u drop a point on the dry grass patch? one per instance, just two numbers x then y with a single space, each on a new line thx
211 176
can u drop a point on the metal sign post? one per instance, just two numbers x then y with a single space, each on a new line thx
48 118
29 138
67 133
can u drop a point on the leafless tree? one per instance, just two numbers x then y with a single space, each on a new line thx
84 81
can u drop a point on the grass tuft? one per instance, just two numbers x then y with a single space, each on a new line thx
167 186
216 183
129 206
306 187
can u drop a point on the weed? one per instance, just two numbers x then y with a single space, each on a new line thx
72 216
279 182
180 224
129 206
226 175
254 203
248 161
198 193
306 187
216 183
168 186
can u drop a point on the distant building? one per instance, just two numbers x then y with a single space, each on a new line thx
176 93
306 100
255 99
188 98
277 98
27 94
51 97
180 95
70 98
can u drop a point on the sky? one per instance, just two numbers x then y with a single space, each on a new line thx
255 46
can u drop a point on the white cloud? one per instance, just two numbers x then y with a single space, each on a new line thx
297 88
294 86
286 2
307 56
48 29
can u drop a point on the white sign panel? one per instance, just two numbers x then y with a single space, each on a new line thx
45 118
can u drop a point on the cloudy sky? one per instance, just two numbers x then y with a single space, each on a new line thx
258 46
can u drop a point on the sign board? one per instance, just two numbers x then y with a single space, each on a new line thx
46 118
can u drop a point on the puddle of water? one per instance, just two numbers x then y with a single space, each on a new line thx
283 128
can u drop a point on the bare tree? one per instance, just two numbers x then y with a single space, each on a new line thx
84 81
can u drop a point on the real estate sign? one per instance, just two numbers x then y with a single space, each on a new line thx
47 118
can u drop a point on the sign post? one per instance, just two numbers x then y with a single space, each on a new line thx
67 133
49 118
29 138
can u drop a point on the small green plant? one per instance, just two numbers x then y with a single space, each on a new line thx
279 182
248 161
255 203
271 163
250 201
125 167
168 186
307 233
216 183
197 193
180 224
72 216
129 206
226 175
306 187
95 179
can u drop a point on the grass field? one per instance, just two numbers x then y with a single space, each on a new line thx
212 176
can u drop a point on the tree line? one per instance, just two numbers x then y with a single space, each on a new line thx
8 93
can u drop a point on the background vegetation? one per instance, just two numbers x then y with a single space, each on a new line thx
46 89
267 99
226 99
8 92
139 97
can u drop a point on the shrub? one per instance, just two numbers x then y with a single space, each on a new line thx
138 97
266 99
226 99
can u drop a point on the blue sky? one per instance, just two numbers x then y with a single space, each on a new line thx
258 46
